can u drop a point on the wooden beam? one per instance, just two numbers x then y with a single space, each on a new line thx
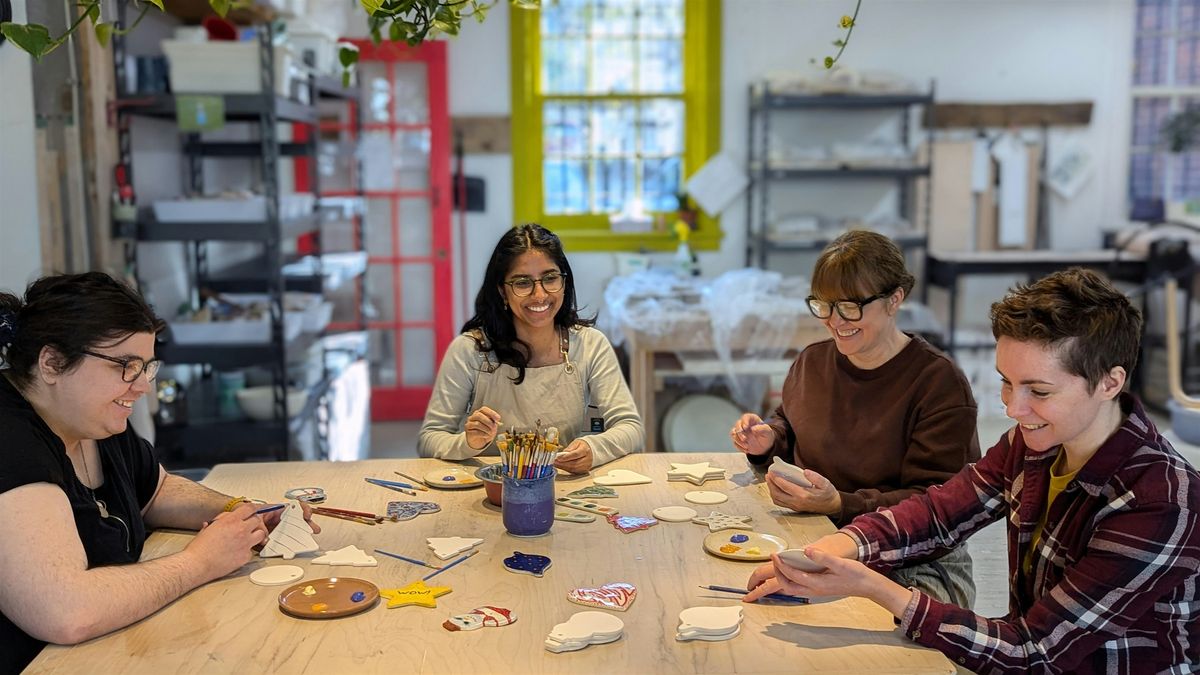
1004 115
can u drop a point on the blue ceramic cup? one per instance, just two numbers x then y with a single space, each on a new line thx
527 505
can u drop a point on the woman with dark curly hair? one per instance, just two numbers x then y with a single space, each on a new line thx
527 356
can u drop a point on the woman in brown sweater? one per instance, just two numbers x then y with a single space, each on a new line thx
872 414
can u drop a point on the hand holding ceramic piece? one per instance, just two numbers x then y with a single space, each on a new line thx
583 629
618 596
447 547
351 556
479 617
710 624
291 536
525 563
621 477
789 472
796 557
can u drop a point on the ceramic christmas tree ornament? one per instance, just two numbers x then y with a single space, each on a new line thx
351 556
618 596
448 547
622 477
593 492
291 536
489 616
629 524
583 629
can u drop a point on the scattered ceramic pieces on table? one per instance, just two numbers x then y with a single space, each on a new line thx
583 629
618 596
796 557
695 473
312 495
527 563
351 556
789 472
744 546
629 524
479 617
717 521
291 536
574 516
410 510
452 478
448 547
276 575
711 624
582 505
416 593
593 492
705 497
621 477
674 514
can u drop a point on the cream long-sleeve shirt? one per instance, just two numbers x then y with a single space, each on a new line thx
585 397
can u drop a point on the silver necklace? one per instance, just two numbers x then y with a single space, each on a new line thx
99 502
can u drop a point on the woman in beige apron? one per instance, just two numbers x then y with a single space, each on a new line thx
527 359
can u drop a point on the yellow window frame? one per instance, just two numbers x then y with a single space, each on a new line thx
702 134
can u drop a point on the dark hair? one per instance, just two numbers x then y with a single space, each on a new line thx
491 315
69 313
859 264
1093 325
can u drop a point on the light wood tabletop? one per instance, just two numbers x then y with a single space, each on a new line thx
235 626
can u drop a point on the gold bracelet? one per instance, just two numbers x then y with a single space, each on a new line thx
233 504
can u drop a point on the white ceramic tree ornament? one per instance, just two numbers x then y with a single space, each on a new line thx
447 547
349 556
291 536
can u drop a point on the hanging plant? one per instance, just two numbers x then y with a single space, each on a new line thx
1180 130
846 23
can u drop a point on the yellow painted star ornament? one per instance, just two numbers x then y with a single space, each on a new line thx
416 593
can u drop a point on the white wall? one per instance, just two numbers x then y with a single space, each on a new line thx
20 254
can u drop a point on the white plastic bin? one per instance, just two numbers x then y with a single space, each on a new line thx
223 66
246 209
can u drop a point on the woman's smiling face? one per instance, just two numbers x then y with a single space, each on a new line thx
535 311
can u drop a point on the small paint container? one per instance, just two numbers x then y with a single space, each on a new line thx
492 484
527 505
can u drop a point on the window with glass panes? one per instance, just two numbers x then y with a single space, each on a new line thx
614 105
1166 81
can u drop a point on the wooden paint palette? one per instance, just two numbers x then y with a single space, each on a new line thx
583 505
451 478
328 598
755 547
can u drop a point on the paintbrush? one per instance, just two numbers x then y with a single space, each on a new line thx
773 596
414 561
416 483
342 516
398 487
446 567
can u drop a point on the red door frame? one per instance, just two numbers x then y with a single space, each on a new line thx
400 402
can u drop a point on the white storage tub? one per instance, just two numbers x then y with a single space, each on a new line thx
211 210
223 67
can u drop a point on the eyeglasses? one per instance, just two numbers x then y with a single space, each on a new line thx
552 282
132 367
850 310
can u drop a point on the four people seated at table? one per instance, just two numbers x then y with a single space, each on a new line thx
873 414
79 489
1103 516
527 359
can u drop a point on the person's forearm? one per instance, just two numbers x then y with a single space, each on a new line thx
184 504
93 602
891 596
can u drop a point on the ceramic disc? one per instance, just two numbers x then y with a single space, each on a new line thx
276 575
674 514
705 497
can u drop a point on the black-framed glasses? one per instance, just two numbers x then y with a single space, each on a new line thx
850 310
552 282
132 366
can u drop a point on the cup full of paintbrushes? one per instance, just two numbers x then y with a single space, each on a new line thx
527 471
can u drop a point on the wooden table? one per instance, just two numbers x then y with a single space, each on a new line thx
234 626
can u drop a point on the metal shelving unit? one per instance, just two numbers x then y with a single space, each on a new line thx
228 439
764 104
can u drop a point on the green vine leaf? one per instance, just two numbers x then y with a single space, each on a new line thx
156 3
221 7
371 6
104 33
93 13
33 38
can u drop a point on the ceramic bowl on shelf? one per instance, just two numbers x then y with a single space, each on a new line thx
259 402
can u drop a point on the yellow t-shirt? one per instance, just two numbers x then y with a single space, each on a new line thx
1058 483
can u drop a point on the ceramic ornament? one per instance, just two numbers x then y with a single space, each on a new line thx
622 477
629 524
674 514
447 547
590 507
594 492
789 472
574 516
416 593
695 473
618 596
479 617
711 624
717 521
525 563
276 575
351 556
796 557
705 497
291 536
410 510
583 629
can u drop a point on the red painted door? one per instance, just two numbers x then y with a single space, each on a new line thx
404 155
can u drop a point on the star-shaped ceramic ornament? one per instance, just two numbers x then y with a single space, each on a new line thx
695 473
594 492
416 593
621 477
717 521
350 556
447 547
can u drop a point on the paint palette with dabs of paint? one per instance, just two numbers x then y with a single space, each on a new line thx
328 598
744 546
452 478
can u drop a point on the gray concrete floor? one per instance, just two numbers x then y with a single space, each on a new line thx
988 547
